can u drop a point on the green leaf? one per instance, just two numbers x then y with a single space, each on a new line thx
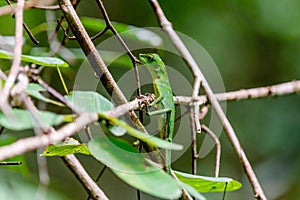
129 165
141 35
22 119
208 184
43 61
141 135
89 101
34 89
69 146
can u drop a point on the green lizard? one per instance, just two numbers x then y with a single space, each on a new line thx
164 100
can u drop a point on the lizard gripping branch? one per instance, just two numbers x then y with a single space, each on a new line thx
164 100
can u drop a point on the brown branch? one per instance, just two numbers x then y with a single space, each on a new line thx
116 112
252 93
167 27
194 141
91 187
42 7
32 143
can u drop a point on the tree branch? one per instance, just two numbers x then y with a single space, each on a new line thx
32 143
91 187
167 27
121 110
252 93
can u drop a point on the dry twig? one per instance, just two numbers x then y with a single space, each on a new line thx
218 147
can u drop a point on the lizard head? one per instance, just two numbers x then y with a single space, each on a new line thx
154 64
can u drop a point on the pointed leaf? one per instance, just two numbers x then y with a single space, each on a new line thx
208 184
22 119
129 165
156 182
141 135
43 61
69 146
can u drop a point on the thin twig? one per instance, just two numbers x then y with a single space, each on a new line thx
31 36
56 7
56 94
218 148
194 140
32 143
167 27
11 163
133 59
91 187
281 89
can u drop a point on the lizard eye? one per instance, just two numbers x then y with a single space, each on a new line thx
150 58
155 67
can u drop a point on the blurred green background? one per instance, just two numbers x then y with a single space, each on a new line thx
253 43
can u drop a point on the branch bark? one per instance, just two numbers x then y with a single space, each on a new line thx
252 93
91 187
